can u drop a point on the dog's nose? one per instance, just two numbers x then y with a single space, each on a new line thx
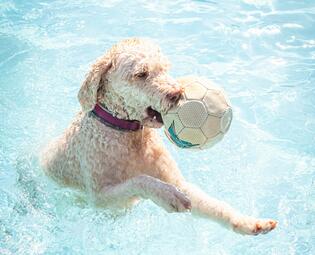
174 96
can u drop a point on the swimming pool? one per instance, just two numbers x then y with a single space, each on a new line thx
261 52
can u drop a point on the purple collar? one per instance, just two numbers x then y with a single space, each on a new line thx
109 120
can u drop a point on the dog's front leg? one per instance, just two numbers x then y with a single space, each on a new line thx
205 206
147 187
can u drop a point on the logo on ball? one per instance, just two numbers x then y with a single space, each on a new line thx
173 136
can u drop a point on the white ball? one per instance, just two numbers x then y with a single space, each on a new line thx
201 118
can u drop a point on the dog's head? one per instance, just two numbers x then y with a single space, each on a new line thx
131 80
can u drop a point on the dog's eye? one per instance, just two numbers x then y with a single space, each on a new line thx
142 74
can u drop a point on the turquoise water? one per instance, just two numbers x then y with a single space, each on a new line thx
261 52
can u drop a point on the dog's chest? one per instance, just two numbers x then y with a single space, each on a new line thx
114 156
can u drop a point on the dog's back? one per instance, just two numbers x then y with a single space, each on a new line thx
60 159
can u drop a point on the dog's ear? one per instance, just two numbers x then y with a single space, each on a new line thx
88 92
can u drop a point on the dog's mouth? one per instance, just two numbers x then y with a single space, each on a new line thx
152 118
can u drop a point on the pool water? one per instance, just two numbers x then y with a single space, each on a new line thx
261 51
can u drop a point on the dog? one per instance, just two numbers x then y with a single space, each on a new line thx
112 149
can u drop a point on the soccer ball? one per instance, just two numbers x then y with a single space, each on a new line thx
201 118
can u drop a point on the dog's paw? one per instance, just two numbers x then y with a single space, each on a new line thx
173 200
251 226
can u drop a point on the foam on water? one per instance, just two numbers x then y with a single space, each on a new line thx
261 52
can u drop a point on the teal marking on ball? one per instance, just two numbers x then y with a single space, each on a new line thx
180 143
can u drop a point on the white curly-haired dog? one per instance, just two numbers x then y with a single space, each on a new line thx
112 150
